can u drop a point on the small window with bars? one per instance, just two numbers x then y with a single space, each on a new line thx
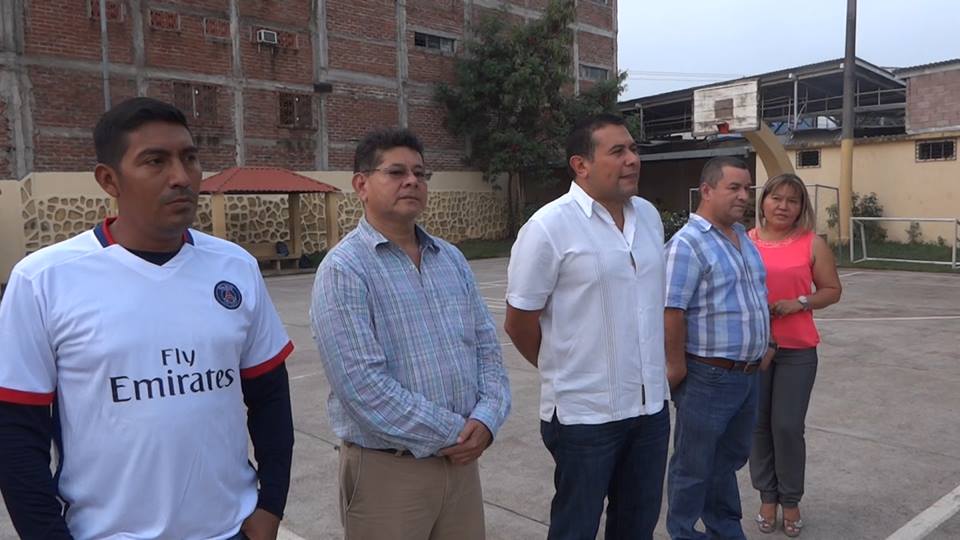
940 150
593 73
296 110
197 101
436 43
808 159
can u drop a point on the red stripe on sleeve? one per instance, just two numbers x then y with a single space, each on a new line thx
20 397
269 365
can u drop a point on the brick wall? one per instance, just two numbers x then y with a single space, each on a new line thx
446 16
596 50
65 28
186 48
188 42
598 14
353 110
291 61
933 101
282 12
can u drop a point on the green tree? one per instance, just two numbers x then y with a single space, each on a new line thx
512 98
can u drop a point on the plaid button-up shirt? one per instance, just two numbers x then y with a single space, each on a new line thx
722 290
410 355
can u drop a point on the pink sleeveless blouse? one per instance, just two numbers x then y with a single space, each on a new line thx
789 264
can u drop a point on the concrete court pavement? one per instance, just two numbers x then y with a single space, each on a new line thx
883 438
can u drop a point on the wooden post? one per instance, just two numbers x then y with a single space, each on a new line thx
332 214
218 214
293 209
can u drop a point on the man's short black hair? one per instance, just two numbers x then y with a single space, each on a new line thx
110 135
580 141
713 170
371 148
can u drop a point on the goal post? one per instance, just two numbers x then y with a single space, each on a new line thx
859 226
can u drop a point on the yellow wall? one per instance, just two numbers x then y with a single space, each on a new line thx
905 187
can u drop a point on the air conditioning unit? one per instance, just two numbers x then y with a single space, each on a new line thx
267 37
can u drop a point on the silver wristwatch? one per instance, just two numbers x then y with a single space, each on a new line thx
804 301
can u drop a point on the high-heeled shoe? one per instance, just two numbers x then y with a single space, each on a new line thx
765 525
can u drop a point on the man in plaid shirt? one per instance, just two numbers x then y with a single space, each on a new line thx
418 387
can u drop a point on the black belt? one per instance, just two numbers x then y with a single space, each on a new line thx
746 367
395 451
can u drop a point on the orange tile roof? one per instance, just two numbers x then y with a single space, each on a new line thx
272 180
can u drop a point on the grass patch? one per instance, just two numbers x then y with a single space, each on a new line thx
485 249
899 250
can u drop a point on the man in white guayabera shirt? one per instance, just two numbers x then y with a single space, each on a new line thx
585 301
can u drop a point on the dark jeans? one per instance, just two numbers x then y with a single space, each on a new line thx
623 461
716 412
779 454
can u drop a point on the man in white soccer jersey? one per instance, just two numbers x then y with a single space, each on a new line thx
134 346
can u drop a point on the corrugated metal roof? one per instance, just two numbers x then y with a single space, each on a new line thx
835 65
932 66
266 180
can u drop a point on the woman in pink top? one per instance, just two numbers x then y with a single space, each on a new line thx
796 260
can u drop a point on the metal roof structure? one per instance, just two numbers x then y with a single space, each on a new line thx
262 180
802 97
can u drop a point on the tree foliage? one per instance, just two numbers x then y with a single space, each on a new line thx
513 100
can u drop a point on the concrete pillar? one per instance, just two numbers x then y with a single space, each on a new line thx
321 64
218 211
403 63
237 83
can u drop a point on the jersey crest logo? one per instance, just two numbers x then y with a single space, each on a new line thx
227 295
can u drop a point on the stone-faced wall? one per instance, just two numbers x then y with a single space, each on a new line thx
54 219
452 215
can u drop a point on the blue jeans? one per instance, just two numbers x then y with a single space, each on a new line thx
621 461
716 413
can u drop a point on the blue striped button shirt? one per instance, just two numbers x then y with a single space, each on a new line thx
410 355
722 290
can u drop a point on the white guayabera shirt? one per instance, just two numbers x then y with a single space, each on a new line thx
602 294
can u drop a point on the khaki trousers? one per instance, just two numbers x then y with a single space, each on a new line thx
390 497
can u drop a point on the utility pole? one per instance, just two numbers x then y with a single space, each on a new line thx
849 121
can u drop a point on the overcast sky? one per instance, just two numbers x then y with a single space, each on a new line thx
671 44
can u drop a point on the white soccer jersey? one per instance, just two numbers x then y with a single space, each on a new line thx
143 364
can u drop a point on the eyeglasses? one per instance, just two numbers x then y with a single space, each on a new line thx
399 174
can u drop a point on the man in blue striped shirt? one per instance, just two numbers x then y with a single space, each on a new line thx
717 328
418 387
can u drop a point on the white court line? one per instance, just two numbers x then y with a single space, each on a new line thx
850 274
305 376
286 534
872 319
931 518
